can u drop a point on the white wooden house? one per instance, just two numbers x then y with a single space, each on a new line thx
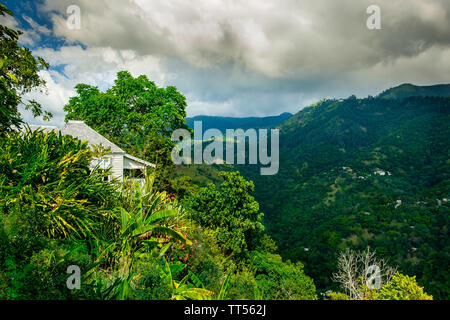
121 163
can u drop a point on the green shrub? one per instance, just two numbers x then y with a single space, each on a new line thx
47 185
49 198
401 287
278 280
337 296
152 283
231 213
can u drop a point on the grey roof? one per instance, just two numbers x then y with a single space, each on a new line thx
146 163
45 129
80 130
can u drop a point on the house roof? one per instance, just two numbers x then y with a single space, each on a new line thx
45 129
80 130
139 160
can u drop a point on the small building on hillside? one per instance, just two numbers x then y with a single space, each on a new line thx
122 164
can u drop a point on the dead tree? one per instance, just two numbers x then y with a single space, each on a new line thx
360 271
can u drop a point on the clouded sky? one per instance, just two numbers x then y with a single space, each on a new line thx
238 58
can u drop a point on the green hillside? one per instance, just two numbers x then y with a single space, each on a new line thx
223 123
409 90
364 172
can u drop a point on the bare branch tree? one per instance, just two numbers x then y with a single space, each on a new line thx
359 271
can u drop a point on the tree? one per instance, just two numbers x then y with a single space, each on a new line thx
134 113
359 272
230 212
19 74
401 287
276 279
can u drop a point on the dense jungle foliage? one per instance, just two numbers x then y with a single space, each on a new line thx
174 237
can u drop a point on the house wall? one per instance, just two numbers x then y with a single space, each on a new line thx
116 165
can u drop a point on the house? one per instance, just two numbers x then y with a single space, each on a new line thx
122 164
45 129
382 173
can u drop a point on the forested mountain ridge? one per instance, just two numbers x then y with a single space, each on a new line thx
223 123
364 172
409 90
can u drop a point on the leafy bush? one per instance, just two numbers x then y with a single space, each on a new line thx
46 184
48 195
230 212
337 296
401 287
281 280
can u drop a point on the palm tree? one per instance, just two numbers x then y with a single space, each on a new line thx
147 229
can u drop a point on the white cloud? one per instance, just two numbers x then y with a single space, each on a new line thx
275 38
94 66
56 94
252 57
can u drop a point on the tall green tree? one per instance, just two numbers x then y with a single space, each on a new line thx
231 212
134 113
19 74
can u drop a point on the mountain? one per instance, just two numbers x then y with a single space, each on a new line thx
409 90
364 172
223 123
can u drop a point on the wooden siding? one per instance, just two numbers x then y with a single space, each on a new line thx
117 165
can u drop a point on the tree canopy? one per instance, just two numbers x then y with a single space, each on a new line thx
401 287
19 74
231 212
134 113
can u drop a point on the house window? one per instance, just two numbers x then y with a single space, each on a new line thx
102 165
133 173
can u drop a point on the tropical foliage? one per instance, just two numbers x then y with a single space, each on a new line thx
230 212
401 287
204 238
130 240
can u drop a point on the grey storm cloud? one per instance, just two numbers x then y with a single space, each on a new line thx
257 57
275 38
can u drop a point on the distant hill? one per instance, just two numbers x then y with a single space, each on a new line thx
409 90
223 123
364 172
